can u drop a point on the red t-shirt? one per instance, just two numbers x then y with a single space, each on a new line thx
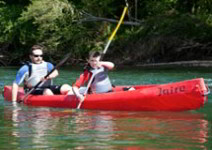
83 78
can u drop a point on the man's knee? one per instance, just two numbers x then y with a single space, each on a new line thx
47 92
65 89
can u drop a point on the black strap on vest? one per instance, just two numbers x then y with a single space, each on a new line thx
30 73
30 67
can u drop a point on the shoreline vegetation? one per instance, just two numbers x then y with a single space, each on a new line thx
194 63
191 64
153 33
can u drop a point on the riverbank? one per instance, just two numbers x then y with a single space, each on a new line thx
194 63
176 64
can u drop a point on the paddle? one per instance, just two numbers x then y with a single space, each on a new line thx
39 83
105 50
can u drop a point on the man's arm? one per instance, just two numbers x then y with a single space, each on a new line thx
79 82
107 64
14 91
21 74
54 74
77 93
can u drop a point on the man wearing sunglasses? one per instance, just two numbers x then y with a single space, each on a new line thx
33 72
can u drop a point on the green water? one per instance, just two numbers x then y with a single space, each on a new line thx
24 127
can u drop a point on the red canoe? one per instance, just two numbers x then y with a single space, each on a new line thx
178 96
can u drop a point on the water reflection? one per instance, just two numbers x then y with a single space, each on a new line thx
15 119
63 128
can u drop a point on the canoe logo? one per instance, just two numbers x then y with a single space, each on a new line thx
171 90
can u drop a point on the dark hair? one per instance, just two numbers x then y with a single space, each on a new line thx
34 47
94 54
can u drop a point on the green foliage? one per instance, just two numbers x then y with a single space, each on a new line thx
101 8
209 19
194 6
55 24
182 26
49 22
17 2
161 37
8 24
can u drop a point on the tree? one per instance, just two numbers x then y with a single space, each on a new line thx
48 22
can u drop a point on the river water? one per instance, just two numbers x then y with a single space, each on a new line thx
25 127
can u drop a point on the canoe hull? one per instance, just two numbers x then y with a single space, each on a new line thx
178 96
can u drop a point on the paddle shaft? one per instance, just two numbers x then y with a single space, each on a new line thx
105 50
86 90
116 29
40 82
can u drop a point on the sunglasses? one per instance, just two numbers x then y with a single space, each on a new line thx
37 55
